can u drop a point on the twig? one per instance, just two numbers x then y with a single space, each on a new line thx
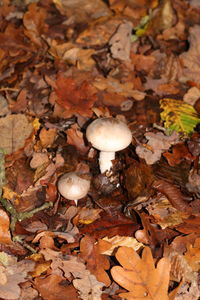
20 216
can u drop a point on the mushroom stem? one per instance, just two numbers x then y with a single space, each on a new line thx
105 160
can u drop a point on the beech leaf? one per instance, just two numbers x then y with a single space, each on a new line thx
140 276
15 129
178 116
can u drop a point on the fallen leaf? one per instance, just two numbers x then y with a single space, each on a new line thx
110 225
34 22
112 85
11 274
164 214
178 116
55 287
75 98
97 263
192 255
89 287
15 129
108 245
178 154
83 11
189 59
193 184
139 276
87 215
5 237
120 42
75 138
192 95
47 137
156 145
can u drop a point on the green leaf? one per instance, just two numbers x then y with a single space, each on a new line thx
178 116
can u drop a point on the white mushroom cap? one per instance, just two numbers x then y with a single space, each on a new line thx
108 134
72 187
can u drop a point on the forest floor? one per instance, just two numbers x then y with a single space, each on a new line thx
136 233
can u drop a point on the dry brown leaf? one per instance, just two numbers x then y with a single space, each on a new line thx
52 288
97 263
193 255
84 281
34 22
140 276
87 215
83 10
14 130
75 138
88 286
164 214
108 245
190 59
47 137
192 95
82 58
120 42
112 85
75 97
156 145
11 274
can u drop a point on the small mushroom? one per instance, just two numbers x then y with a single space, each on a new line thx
108 135
73 186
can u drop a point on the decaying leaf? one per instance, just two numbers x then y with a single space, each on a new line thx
11 274
84 281
89 287
15 129
139 276
120 42
164 214
156 145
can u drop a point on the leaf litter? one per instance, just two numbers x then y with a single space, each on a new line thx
135 235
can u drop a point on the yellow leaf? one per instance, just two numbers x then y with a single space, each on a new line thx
140 277
178 116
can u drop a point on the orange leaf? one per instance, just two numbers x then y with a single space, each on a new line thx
75 98
5 237
97 263
140 276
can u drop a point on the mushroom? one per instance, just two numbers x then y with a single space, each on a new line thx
73 186
108 135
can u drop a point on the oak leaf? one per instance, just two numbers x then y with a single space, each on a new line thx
140 276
